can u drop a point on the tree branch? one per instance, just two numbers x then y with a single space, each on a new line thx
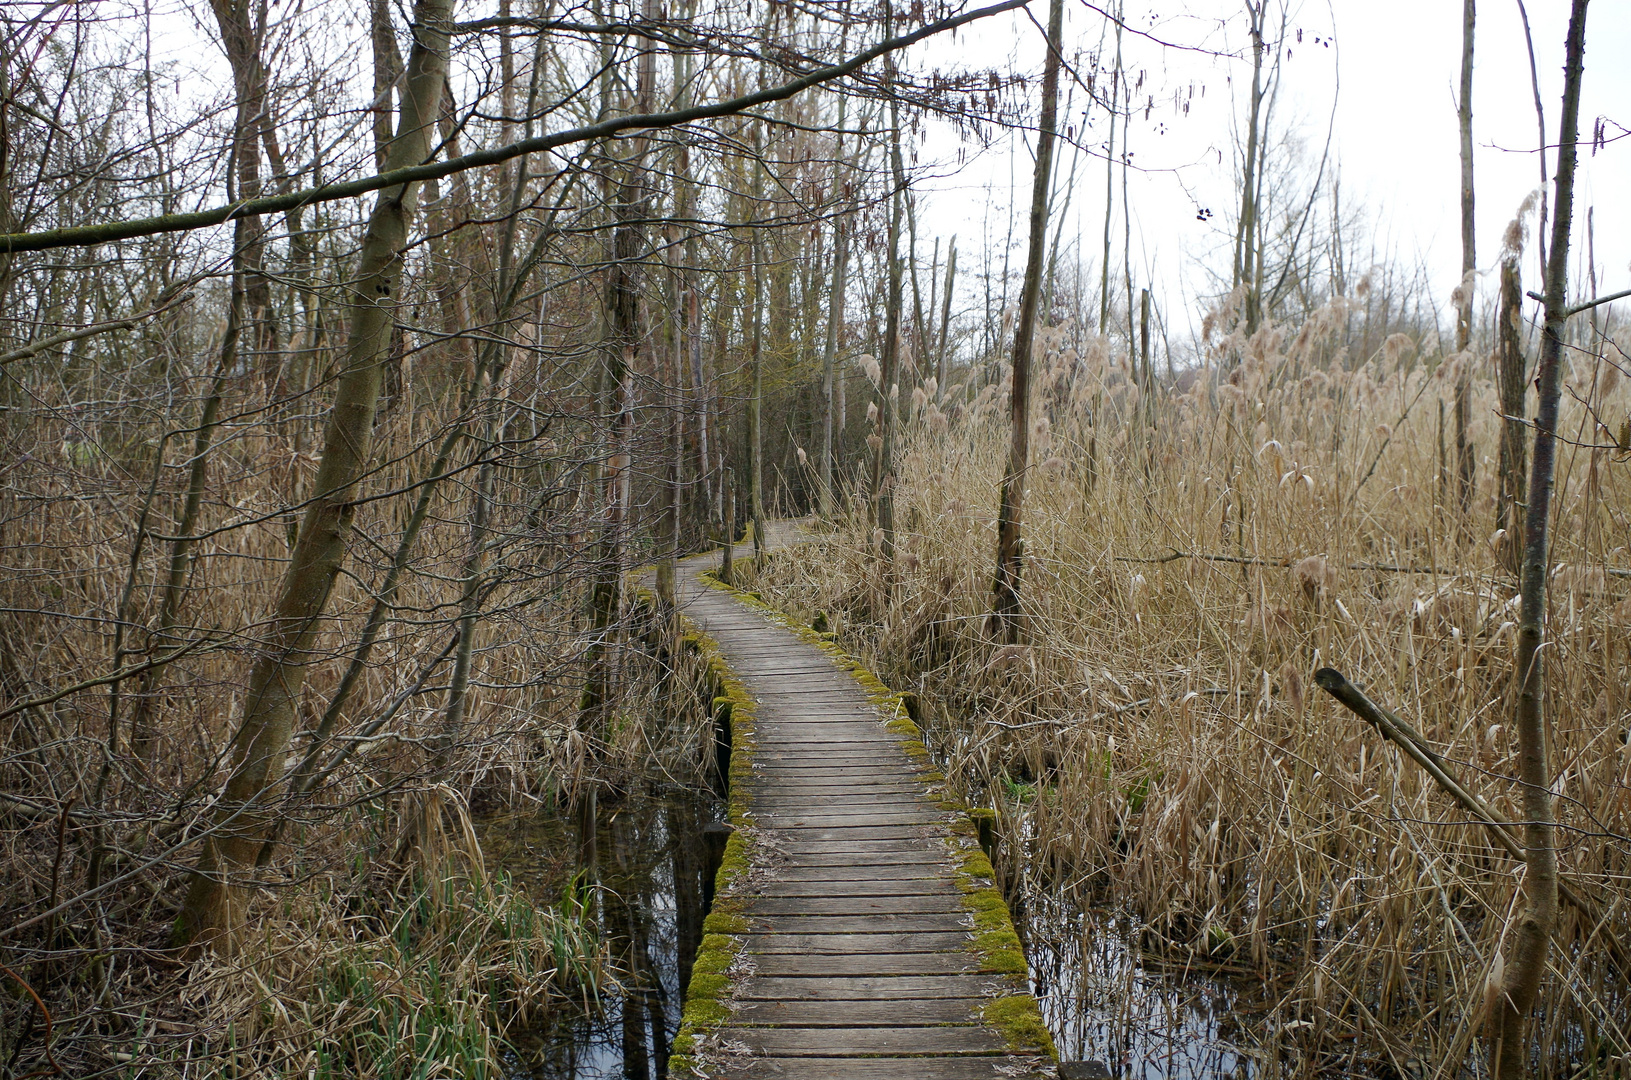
273 204
164 304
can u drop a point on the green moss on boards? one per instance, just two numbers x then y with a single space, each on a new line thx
1017 1017
708 996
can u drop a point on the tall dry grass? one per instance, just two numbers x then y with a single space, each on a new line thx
1157 743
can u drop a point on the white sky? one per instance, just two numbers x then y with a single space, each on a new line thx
1395 138
1394 131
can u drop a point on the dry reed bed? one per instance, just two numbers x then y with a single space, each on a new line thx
1157 741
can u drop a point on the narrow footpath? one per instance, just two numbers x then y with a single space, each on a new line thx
858 955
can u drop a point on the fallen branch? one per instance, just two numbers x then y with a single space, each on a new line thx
78 236
1243 560
1399 732
101 680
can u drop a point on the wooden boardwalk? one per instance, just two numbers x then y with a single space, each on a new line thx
854 929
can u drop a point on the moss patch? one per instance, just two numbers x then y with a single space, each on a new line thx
1018 1019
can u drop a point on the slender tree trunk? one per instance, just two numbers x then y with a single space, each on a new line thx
1509 1047
919 331
1512 377
387 73
241 41
940 369
175 582
756 400
214 908
619 352
883 463
835 315
1469 263
829 360
249 83
1004 621
1110 197
1144 355
458 691
1246 234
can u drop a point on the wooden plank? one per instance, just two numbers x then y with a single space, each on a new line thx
917 963
793 844
906 1012
812 886
860 818
857 905
902 863
856 834
845 812
873 987
818 944
858 1041
880 1068
937 922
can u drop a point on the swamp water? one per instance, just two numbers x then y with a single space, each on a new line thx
1101 998
1105 1001
653 860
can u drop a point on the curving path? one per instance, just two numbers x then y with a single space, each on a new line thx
858 958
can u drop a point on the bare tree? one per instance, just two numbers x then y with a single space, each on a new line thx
1509 1049
1469 270
214 908
1004 620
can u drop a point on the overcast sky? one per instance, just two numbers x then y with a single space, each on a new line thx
1389 67
1397 63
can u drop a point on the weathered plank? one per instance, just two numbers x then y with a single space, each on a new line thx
880 1068
906 1012
819 944
869 988
861 1041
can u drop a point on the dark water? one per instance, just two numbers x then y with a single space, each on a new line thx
1105 1001
649 904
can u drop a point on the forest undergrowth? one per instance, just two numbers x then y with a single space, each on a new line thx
387 943
1156 744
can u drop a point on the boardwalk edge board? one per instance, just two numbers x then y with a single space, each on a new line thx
1016 1017
720 952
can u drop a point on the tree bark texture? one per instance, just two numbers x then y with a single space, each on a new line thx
1004 621
1512 378
1464 463
883 462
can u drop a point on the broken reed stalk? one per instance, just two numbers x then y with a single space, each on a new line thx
1398 731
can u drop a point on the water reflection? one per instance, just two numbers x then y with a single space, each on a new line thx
648 902
1103 1001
